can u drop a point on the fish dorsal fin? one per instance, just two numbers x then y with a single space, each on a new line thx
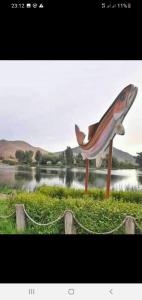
91 130
79 135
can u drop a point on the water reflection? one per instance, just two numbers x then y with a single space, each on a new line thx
139 177
38 175
23 176
69 177
28 178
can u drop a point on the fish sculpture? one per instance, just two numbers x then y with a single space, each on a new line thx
100 134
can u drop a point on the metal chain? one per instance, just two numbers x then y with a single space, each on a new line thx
6 217
138 225
93 232
76 220
42 224
140 218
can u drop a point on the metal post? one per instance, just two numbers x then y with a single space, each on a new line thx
108 180
86 175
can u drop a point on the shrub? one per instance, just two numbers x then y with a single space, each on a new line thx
99 216
48 203
4 189
61 192
9 162
96 194
128 196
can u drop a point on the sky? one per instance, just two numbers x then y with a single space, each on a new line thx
41 101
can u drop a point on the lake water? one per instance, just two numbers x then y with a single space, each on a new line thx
28 178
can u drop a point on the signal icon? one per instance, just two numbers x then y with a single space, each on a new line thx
31 292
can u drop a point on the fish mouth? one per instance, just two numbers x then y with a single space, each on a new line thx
126 99
132 93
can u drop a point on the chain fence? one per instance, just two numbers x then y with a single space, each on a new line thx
42 224
93 232
62 216
81 225
6 217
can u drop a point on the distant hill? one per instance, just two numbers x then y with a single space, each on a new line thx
9 148
123 156
119 154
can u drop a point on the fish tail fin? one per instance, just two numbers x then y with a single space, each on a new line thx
79 135
92 129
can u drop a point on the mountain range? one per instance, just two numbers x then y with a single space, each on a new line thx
121 156
9 148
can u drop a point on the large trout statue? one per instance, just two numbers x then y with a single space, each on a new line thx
101 133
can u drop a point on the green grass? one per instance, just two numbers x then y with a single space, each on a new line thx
61 192
6 190
95 194
128 196
47 203
7 226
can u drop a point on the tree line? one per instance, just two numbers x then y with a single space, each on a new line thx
67 158
139 159
28 157
64 158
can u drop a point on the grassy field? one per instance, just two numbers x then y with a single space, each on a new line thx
48 203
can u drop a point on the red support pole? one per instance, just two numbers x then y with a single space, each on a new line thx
86 175
108 180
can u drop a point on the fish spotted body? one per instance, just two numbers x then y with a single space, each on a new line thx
101 133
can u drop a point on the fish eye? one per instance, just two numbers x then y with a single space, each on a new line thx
122 96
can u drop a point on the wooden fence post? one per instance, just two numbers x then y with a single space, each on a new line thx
68 222
20 217
129 226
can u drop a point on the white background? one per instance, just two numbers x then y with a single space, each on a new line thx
80 291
